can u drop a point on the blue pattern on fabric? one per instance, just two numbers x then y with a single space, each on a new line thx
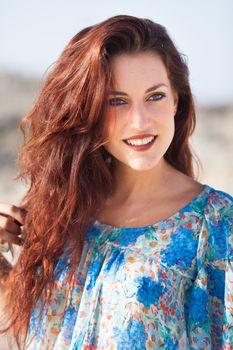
167 285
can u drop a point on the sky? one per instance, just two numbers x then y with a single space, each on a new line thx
34 33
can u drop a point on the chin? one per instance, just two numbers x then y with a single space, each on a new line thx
141 165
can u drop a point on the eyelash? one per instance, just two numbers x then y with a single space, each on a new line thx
115 99
158 94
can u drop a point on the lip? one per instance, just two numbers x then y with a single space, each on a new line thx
142 147
139 136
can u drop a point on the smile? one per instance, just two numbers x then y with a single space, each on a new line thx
141 144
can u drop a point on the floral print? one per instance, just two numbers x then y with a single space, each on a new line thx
168 285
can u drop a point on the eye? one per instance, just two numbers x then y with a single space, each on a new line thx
115 102
159 96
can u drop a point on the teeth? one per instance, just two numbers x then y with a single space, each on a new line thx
138 142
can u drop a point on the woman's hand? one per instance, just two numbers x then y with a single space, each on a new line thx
11 220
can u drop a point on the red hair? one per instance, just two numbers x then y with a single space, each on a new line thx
63 156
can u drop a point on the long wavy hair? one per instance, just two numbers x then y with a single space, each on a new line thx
63 158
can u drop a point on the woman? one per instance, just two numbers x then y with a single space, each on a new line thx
123 248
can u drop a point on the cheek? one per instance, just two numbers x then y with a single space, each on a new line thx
166 110
165 115
112 125
113 133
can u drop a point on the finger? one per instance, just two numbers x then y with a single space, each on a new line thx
6 223
16 212
7 237
14 220
5 266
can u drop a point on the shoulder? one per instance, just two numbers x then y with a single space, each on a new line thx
219 204
219 225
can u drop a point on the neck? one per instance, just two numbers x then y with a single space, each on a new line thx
132 185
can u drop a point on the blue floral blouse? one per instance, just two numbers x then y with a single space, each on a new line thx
168 285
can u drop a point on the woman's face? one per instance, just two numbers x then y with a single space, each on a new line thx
139 109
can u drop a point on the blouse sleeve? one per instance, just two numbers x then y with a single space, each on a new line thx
210 312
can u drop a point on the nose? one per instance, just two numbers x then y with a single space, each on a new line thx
139 118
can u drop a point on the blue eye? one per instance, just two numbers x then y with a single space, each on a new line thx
113 102
160 95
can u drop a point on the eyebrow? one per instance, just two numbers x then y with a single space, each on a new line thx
154 87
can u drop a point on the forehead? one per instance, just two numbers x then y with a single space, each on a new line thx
128 68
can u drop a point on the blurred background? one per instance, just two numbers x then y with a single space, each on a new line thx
33 34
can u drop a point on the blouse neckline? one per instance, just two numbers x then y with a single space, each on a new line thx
204 190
